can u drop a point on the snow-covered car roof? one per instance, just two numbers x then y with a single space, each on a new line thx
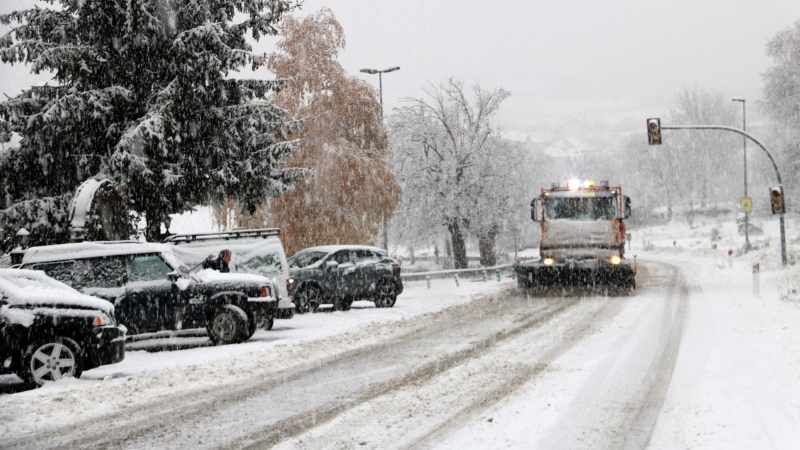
82 250
20 287
335 248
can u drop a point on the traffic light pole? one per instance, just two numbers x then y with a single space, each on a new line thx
769 155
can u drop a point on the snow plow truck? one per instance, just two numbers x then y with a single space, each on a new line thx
583 238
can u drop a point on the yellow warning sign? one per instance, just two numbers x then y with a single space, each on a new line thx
746 205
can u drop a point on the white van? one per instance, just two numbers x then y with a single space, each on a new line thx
256 251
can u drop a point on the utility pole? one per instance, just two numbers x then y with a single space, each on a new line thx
384 225
744 146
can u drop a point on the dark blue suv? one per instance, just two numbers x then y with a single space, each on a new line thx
341 274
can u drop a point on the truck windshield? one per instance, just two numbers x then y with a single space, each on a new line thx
581 208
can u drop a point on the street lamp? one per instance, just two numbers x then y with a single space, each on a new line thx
744 144
380 82
380 90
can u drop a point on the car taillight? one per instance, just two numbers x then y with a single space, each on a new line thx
397 264
263 291
289 282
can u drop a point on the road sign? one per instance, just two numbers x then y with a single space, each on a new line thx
746 205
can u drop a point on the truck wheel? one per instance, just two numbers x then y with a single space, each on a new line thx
386 294
228 324
51 359
308 299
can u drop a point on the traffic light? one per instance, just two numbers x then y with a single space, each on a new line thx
654 131
776 199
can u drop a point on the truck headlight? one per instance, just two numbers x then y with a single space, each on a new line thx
548 261
615 260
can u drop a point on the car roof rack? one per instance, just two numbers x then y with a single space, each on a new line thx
226 235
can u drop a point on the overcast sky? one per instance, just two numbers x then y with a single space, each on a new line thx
610 61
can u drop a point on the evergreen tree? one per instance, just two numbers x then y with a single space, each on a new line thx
141 94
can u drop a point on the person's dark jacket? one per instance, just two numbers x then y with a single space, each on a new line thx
216 264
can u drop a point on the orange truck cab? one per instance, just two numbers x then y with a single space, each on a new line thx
583 238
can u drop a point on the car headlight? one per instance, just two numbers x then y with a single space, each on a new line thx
615 260
103 319
549 261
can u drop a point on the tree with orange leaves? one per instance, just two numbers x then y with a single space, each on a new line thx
344 141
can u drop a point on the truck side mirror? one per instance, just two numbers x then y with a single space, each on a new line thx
536 210
627 206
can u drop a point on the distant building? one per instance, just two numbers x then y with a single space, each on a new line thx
571 128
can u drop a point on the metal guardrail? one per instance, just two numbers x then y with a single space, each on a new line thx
439 273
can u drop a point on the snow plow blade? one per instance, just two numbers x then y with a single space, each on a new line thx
575 275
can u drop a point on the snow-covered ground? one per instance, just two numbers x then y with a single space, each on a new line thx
732 380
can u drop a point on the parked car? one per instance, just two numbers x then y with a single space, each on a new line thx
340 274
49 331
153 290
256 251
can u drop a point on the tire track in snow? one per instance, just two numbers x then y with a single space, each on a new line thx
641 420
159 422
525 374
298 424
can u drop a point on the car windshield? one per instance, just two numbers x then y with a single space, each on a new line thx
147 268
305 259
581 208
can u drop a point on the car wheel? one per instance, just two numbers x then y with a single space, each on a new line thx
342 305
386 294
266 321
227 325
308 299
252 326
51 360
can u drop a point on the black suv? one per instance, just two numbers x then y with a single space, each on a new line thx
340 274
49 331
153 290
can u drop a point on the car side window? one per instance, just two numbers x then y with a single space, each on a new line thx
63 271
105 272
147 268
341 257
365 257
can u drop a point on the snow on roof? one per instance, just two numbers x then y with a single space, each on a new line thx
82 202
83 250
32 287
334 248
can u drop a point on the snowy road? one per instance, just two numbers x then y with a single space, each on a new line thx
430 382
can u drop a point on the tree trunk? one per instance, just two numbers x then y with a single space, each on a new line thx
486 247
459 245
152 233
448 259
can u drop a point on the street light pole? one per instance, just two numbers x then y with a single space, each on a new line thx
744 144
384 225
